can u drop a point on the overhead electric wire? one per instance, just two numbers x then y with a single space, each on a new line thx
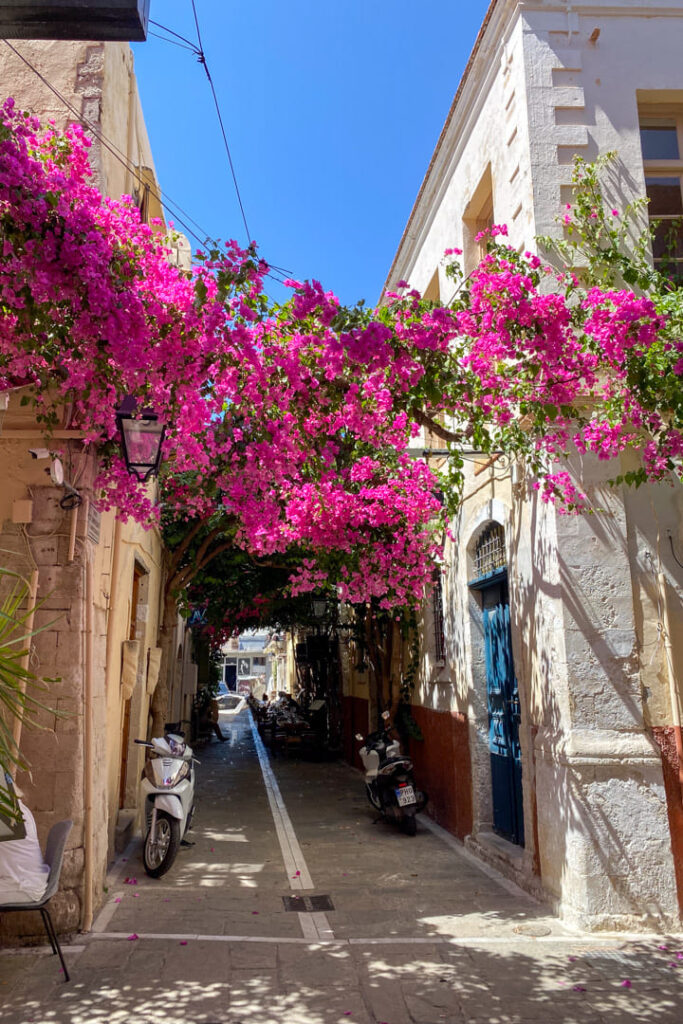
171 32
165 39
172 207
202 61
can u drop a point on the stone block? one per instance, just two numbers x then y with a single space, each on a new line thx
61 586
45 550
61 620
73 711
38 789
68 792
72 868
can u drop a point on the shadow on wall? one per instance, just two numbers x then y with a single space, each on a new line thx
590 802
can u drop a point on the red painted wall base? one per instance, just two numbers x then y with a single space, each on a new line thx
665 737
354 719
443 768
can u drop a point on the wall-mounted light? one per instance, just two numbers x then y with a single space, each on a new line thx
142 435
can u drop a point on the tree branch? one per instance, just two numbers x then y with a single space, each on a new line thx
435 427
177 555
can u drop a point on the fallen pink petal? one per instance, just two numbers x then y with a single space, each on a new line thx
579 988
183 942
626 983
117 900
131 938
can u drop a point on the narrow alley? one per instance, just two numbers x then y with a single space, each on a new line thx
382 928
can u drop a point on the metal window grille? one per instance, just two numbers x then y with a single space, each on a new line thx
489 553
437 605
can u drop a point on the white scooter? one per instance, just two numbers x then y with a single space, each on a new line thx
168 790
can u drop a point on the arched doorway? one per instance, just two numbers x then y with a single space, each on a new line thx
502 694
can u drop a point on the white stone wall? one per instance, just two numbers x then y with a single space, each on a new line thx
547 82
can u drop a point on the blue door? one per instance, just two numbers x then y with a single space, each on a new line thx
503 711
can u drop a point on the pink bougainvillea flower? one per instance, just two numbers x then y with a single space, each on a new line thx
183 942
579 988
626 983
133 937
296 874
130 881
117 900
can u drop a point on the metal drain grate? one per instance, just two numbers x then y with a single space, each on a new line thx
307 904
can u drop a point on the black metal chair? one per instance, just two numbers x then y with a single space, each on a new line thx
54 855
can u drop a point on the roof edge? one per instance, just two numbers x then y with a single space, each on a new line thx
444 131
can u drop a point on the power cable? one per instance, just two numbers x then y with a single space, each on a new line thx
157 35
190 44
202 60
172 207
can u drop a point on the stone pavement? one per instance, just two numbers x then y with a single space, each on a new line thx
418 933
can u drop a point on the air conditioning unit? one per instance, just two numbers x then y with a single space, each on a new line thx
115 20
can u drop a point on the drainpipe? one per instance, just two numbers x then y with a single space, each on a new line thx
88 837
673 688
31 607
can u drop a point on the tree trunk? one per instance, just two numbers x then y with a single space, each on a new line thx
160 697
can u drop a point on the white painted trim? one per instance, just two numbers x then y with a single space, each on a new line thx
570 940
295 863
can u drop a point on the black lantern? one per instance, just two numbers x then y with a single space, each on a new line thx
142 434
319 607
122 20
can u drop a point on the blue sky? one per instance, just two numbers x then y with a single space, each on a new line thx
332 112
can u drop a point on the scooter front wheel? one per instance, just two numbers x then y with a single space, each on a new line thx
158 856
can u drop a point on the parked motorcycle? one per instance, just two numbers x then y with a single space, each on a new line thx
389 779
168 790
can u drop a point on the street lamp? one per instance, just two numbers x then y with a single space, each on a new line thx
122 20
142 435
319 607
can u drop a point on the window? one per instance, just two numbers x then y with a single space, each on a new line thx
437 609
433 292
660 140
477 217
489 553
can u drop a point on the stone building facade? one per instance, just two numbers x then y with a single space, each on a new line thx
552 714
98 581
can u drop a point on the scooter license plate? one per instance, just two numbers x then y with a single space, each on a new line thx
405 796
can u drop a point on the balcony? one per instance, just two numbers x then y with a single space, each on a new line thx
115 20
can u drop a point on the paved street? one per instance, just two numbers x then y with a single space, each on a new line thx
418 933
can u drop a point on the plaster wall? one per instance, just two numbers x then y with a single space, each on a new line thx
97 82
587 593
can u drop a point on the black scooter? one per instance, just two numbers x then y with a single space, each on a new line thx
389 779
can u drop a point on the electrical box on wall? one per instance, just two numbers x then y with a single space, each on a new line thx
22 511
